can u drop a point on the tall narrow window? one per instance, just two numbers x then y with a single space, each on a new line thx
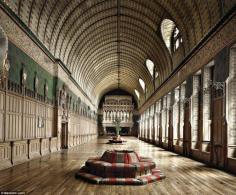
142 84
150 66
137 93
177 39
171 35
167 27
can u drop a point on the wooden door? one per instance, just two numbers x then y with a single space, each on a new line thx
64 136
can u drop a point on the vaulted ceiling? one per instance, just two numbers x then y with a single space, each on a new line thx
104 43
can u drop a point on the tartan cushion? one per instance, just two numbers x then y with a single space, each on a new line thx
156 170
133 157
97 167
145 159
151 178
121 181
116 156
120 170
120 167
89 177
144 166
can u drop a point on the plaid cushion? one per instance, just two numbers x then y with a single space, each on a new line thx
144 166
120 170
133 157
151 178
145 159
156 170
120 156
115 157
121 181
89 177
97 167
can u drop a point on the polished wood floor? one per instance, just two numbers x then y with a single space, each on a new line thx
54 174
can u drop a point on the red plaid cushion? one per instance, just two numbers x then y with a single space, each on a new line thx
89 177
145 159
133 157
120 170
97 167
115 157
144 166
120 157
121 181
151 178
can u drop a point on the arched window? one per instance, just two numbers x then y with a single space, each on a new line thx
167 27
177 39
150 66
137 93
156 74
141 82
171 35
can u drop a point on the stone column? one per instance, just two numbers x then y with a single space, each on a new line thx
181 113
176 116
231 104
168 106
195 111
163 118
206 107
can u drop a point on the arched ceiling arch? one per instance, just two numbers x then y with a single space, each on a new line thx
105 43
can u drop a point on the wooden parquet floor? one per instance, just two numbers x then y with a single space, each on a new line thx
54 174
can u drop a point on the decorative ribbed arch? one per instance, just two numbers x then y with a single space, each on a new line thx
83 35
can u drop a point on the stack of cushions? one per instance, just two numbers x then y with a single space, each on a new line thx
120 167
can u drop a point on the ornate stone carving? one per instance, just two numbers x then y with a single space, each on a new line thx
120 107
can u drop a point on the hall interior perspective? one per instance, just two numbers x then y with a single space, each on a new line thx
118 97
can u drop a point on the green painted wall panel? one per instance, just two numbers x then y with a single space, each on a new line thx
19 59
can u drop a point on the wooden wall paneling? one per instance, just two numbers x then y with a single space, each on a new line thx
5 155
49 121
34 148
13 117
41 118
19 152
44 146
29 120
53 144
